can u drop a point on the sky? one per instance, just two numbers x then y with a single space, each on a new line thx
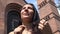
35 3
56 1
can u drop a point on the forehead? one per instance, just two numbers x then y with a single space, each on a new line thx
27 5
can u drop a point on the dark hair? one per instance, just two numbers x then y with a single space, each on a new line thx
35 19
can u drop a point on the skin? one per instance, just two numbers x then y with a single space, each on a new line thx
26 16
27 13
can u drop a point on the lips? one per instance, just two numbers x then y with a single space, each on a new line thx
25 14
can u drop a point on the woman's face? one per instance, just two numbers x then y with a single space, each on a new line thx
27 12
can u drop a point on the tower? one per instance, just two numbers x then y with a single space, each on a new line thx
48 12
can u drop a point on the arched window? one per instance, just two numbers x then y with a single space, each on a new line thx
12 17
13 20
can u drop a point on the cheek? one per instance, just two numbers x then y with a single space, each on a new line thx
22 11
31 12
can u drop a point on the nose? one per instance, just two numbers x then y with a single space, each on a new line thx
26 10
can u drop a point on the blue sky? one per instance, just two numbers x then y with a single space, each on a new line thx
35 3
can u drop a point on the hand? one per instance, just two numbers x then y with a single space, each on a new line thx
11 32
42 24
18 29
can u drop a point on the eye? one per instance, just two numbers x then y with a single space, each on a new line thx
30 8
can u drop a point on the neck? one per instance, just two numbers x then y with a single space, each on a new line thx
28 25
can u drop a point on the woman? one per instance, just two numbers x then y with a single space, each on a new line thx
29 19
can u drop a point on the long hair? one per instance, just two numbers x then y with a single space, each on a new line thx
35 19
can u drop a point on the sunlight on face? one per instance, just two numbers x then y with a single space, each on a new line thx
27 12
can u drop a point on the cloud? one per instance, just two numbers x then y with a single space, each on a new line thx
58 10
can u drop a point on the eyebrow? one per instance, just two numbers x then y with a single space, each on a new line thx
30 7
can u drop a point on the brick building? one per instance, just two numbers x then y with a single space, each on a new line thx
9 14
9 8
48 12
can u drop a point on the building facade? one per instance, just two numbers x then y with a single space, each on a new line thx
9 13
49 13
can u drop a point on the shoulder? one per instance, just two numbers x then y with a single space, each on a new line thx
18 29
15 30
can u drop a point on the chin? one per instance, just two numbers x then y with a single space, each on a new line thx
26 17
